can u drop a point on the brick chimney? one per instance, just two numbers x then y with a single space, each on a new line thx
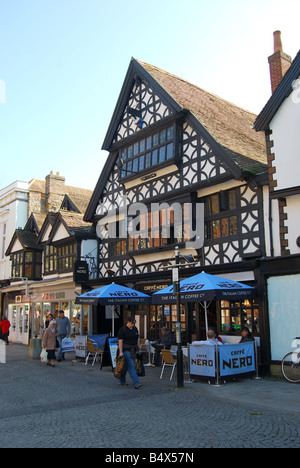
279 62
55 191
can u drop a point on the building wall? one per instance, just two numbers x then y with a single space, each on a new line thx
13 215
285 136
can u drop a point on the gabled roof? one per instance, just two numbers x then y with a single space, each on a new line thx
32 224
227 128
27 239
282 92
229 125
72 222
49 221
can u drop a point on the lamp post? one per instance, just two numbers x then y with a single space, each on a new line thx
176 285
176 289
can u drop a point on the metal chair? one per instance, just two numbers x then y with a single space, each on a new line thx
93 352
168 360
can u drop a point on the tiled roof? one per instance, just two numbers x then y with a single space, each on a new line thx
74 221
230 125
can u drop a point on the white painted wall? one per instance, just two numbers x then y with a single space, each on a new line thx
293 222
285 126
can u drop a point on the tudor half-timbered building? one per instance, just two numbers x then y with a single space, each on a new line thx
172 144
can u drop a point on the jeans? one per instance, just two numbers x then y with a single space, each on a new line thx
130 367
60 338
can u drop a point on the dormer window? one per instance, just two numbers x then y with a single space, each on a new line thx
26 264
154 150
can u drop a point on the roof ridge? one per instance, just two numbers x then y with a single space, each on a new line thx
194 86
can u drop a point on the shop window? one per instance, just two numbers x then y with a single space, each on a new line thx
166 316
37 317
235 315
75 319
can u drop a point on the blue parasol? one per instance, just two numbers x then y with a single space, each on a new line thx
205 288
113 294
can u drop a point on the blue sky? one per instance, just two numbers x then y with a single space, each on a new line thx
63 63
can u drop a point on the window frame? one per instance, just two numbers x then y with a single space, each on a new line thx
30 267
221 216
150 151
66 256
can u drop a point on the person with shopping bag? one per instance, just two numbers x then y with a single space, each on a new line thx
49 342
129 345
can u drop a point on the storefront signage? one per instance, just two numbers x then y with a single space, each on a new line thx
234 359
52 296
154 287
203 360
237 359
113 349
80 346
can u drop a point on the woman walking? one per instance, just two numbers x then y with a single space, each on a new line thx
49 342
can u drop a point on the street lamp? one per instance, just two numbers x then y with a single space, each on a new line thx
176 285
176 288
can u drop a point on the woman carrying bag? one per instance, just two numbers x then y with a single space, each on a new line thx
49 342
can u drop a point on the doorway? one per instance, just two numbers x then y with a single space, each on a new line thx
19 319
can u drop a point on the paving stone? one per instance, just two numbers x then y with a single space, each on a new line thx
77 406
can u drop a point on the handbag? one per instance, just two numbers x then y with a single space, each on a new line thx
120 367
67 345
44 355
139 367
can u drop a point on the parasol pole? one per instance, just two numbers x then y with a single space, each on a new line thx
206 319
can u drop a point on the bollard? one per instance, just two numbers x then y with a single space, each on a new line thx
35 348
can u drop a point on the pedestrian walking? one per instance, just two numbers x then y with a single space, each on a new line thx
129 346
4 330
64 331
49 342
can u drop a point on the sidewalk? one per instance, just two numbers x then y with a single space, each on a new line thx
74 405
272 392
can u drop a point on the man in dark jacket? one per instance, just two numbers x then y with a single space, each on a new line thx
129 345
63 326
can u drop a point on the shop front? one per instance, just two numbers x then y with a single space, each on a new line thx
50 300
227 317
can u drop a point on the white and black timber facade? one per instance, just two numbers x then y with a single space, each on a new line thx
171 142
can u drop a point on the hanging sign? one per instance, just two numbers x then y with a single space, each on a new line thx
81 272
